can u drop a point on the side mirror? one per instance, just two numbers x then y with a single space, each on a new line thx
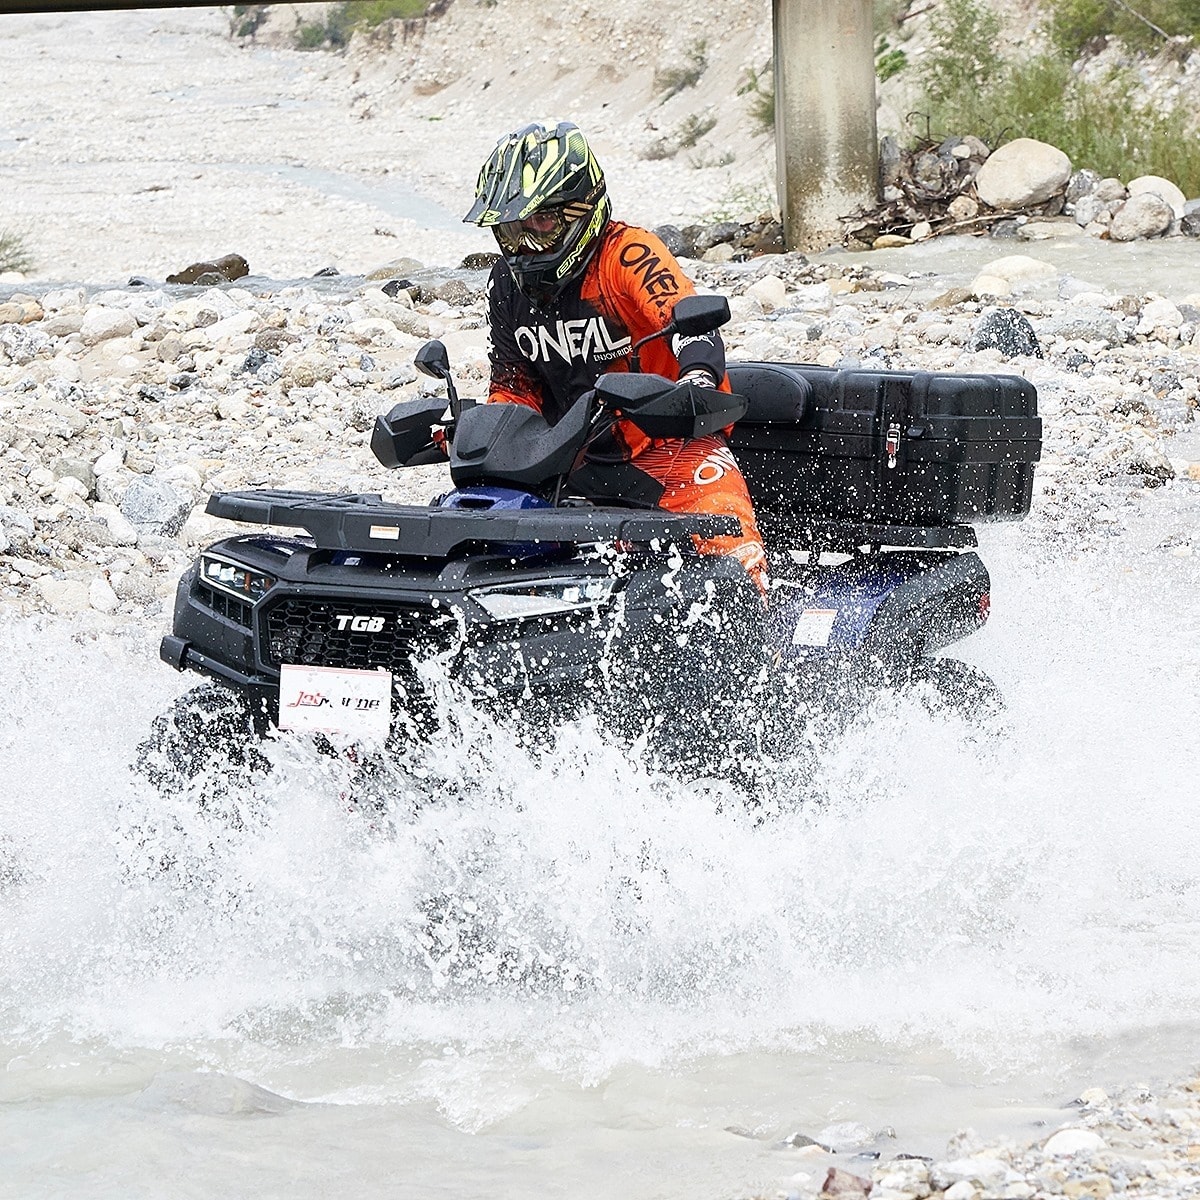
433 360
697 315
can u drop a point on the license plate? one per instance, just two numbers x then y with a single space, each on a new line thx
352 704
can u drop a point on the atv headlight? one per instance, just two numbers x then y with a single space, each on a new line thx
237 580
545 597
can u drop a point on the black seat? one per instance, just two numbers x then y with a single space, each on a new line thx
776 392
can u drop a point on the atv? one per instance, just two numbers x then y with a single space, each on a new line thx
336 615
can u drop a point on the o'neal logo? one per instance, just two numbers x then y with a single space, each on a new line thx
587 338
658 282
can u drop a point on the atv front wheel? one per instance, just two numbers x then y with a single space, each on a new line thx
210 733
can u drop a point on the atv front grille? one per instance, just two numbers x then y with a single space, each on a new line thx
353 633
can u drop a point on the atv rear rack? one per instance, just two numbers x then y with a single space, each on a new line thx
850 536
365 522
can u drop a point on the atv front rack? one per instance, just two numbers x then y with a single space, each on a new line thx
368 524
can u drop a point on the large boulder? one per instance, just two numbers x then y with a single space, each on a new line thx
1142 216
1022 173
1159 187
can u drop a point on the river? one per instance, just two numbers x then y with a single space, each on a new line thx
935 927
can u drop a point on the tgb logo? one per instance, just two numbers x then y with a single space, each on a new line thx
587 338
360 624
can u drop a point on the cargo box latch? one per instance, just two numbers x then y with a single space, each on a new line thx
893 444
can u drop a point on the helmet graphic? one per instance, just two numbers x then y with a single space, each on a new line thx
542 194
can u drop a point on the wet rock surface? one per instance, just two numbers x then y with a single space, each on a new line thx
1140 1143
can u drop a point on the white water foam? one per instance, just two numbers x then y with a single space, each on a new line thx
526 931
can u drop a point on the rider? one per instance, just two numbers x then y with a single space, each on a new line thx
572 292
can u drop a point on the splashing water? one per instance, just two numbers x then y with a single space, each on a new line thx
514 948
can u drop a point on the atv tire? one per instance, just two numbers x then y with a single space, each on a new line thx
210 733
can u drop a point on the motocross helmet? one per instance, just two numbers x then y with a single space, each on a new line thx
542 194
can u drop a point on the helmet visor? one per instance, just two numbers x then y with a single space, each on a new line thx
537 233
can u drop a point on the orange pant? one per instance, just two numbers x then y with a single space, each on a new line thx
702 476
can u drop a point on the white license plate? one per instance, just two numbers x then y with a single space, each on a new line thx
352 704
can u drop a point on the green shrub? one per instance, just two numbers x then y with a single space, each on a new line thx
246 19
670 81
762 97
14 254
692 128
888 61
1142 25
343 19
968 61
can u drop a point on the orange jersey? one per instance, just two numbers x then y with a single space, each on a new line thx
547 358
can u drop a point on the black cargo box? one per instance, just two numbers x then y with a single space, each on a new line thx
900 448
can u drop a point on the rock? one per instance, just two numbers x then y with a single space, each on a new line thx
23 344
888 241
122 531
963 208
672 237
951 298
1082 183
1015 267
64 596
1022 173
63 325
1086 324
408 321
844 1183
1053 227
1068 1142
100 324
480 260
245 321
398 377
844 1136
1142 216
221 270
20 312
1091 209
271 340
232 408
1006 330
1163 188
101 595
770 291
990 285
1189 224
1159 314
454 291
396 269
306 371
78 469
964 1189
977 1170
155 506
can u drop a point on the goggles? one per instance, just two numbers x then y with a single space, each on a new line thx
537 233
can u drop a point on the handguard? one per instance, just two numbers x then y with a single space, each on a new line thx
663 409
